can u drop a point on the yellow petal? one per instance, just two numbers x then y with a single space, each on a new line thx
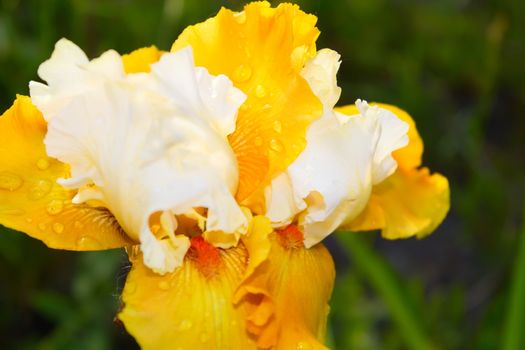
262 50
192 307
139 61
287 290
30 199
411 202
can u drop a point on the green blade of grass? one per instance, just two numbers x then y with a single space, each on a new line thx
515 319
381 278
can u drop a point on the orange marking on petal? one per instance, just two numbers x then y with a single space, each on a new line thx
206 257
290 237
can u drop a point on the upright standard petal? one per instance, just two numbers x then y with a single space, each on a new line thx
152 143
191 308
331 180
263 50
286 289
411 202
30 199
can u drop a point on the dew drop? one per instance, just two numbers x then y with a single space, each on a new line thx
303 346
260 91
185 325
277 126
42 226
164 285
276 145
258 141
242 73
204 337
87 242
130 288
58 227
29 220
78 225
40 189
10 181
42 164
55 207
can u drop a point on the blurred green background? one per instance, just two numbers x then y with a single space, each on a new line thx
456 65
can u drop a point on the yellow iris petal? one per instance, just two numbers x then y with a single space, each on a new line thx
411 202
262 50
190 308
139 61
286 291
30 199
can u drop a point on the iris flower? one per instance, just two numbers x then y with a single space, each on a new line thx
220 167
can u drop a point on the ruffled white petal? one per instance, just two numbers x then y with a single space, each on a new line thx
149 143
68 73
333 177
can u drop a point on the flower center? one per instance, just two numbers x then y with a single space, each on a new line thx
205 256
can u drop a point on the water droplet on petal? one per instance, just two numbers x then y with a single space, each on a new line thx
87 242
204 337
164 285
54 207
276 145
10 182
185 325
42 164
277 126
302 345
58 227
78 225
42 226
258 141
40 189
242 73
130 288
29 220
260 91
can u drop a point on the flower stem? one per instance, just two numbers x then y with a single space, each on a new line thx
515 318
378 273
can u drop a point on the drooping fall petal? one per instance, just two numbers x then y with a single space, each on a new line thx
262 50
411 202
30 199
192 307
286 290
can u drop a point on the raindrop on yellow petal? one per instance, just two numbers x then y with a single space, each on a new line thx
54 207
42 164
29 220
86 242
260 91
277 126
10 181
40 189
58 227
276 145
164 285
185 325
78 225
242 74
204 337
131 287
258 141
303 346
42 226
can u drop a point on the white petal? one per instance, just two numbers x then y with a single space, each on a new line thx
321 74
147 143
68 73
331 180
